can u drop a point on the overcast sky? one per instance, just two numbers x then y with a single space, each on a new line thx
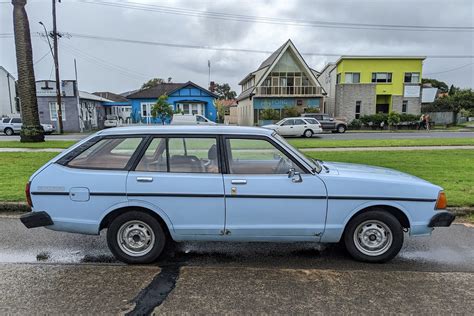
119 66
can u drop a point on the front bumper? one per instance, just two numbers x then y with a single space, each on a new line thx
36 219
442 219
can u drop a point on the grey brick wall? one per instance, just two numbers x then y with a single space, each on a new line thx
413 105
348 94
71 123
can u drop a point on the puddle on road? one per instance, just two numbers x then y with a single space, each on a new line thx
55 256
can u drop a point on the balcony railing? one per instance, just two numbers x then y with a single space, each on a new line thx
288 91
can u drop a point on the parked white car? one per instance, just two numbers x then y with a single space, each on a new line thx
11 126
187 119
296 126
111 121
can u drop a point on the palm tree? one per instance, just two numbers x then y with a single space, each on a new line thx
31 130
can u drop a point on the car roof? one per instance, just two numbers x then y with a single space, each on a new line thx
187 129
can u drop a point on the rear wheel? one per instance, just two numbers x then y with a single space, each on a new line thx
374 236
341 128
308 133
8 131
136 237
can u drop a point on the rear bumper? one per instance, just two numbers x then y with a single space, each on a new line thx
442 219
36 219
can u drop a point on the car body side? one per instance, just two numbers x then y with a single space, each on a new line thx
346 193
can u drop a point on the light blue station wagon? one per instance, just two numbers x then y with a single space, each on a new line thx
151 185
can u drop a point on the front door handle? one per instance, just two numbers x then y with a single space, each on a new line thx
236 181
144 179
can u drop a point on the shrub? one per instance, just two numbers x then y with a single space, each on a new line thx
355 124
404 117
393 118
290 111
374 119
269 114
311 110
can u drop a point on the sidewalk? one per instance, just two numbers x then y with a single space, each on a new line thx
58 150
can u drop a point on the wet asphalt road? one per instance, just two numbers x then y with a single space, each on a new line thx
48 272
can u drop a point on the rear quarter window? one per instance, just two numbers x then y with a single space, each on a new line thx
108 153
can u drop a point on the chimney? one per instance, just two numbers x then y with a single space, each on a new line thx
212 86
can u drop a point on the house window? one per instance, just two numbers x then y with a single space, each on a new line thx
404 106
146 109
53 111
338 78
357 111
381 77
412 77
352 77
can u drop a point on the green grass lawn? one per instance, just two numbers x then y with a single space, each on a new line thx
46 144
297 142
327 143
451 169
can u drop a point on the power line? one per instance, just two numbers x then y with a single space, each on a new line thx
449 70
278 21
227 49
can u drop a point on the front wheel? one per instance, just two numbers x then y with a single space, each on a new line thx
136 237
8 131
308 133
374 236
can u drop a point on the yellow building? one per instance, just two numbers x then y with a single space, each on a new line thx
364 85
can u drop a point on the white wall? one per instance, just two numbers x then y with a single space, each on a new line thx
7 94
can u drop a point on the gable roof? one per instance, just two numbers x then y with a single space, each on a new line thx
271 61
165 88
111 96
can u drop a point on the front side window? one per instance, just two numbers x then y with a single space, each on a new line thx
107 153
257 156
352 77
193 155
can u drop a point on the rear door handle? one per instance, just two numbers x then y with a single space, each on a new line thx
144 179
238 181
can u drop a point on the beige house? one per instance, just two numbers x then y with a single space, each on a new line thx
282 80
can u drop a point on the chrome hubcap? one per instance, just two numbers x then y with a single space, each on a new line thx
136 238
373 238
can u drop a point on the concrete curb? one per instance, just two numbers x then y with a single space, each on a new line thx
6 207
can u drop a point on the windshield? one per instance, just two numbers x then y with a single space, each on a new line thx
311 162
111 117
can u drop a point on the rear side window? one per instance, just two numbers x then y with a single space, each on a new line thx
108 153
193 155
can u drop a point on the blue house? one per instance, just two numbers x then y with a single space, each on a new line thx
188 98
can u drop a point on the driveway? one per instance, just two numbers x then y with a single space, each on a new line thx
48 272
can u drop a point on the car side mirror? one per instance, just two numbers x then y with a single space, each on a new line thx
295 175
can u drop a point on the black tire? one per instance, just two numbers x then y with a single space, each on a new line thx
378 217
308 133
154 250
341 128
8 131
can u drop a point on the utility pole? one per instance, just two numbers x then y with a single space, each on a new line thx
56 66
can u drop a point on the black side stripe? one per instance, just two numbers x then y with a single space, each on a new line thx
246 196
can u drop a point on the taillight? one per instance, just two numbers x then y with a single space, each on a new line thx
28 194
441 202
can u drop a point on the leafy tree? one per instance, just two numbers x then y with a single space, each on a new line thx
220 110
152 82
31 130
442 86
452 90
225 92
162 109
461 100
